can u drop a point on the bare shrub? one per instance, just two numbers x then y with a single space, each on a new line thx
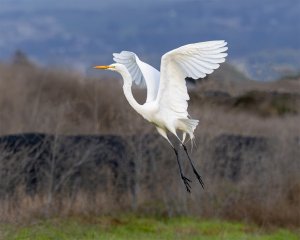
43 100
249 162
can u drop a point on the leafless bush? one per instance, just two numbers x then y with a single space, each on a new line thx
249 163
43 100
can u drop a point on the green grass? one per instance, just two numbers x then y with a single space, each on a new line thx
132 228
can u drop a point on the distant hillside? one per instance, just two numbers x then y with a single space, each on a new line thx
35 99
228 72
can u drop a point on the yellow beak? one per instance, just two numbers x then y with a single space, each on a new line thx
102 67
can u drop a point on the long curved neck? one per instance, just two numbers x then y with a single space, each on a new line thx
128 92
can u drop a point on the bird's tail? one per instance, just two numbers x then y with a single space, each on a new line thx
190 126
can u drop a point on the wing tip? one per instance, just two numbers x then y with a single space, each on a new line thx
124 53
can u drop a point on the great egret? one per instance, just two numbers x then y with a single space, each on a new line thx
166 104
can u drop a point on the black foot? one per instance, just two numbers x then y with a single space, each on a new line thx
186 182
194 169
198 177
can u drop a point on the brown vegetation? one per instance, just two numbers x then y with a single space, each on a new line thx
247 149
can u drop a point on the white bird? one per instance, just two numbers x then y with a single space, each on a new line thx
166 104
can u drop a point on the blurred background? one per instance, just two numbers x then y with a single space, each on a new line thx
71 145
263 36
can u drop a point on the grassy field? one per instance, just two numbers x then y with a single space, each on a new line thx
129 227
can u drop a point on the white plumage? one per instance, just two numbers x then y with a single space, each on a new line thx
166 104
142 73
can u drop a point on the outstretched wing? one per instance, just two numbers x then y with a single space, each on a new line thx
141 72
192 60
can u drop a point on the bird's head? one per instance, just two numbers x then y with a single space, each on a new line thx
119 68
112 67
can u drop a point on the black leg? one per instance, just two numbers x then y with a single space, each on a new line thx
194 169
185 180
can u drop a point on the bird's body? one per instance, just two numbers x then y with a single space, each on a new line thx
166 103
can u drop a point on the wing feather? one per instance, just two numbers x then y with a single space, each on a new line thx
142 73
192 60
211 60
214 56
201 68
214 51
193 71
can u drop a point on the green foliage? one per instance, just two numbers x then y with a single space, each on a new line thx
130 227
